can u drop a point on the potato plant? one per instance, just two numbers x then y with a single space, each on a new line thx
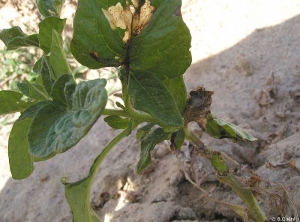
148 42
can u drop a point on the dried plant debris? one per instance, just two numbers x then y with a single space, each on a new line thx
198 110
198 107
266 95
133 17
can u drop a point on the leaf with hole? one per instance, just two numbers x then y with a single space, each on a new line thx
162 47
95 43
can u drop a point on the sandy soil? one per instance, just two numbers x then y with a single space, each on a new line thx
247 52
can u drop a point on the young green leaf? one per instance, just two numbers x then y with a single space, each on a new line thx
45 31
11 102
162 47
6 35
220 129
177 88
177 138
50 7
47 74
34 91
20 159
56 128
218 163
57 59
117 122
95 43
147 145
58 89
149 94
15 38
143 131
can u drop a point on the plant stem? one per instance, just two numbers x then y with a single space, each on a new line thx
246 195
192 137
107 149
140 117
115 112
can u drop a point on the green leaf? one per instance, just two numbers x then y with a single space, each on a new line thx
120 105
45 33
177 88
58 89
220 129
177 138
15 38
11 102
20 159
143 131
50 7
163 45
55 128
117 122
33 91
57 58
47 74
218 163
37 68
147 145
150 95
6 35
95 44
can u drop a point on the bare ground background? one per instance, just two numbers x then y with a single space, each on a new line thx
247 52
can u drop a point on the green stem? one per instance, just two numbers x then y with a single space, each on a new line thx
192 137
115 112
107 149
140 117
246 195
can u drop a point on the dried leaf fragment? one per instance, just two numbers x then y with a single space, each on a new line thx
120 18
198 107
130 18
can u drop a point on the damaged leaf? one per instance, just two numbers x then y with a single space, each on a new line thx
198 107
131 18
219 129
162 46
95 44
